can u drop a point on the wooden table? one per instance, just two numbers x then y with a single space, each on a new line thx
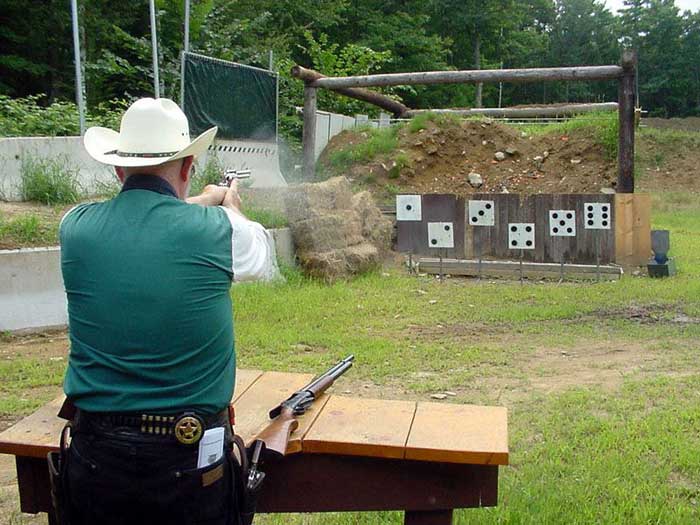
349 454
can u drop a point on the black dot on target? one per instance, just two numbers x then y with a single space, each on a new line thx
514 228
605 216
605 223
528 228
590 215
529 243
409 207
569 216
590 223
447 227
433 241
475 219
514 243
590 208
555 230
562 223
569 230
488 206
482 212
555 215
605 209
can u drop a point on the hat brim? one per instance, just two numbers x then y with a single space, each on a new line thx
100 142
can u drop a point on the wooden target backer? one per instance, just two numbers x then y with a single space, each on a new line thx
412 236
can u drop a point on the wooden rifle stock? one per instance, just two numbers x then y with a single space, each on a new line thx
276 434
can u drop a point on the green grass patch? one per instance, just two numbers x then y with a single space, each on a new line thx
49 181
267 217
603 125
421 121
27 230
379 141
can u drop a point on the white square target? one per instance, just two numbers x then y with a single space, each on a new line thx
562 223
597 215
408 208
441 235
481 213
521 236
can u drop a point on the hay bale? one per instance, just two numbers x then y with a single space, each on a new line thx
362 258
333 231
329 266
376 228
304 200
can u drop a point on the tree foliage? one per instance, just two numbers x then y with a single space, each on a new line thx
340 37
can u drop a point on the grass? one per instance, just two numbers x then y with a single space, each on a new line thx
49 181
380 141
582 453
267 217
603 125
27 230
421 121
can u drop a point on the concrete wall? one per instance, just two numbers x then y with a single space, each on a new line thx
31 287
260 157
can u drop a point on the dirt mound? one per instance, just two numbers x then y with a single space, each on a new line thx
337 233
440 158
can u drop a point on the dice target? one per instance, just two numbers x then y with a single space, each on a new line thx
481 213
521 236
597 215
562 223
408 208
441 235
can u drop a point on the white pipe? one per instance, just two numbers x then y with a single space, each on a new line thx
154 43
78 72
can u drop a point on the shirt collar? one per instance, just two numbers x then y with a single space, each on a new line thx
150 183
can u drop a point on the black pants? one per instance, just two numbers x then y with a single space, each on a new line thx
122 477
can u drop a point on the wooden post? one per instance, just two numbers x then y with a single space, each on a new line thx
625 154
309 136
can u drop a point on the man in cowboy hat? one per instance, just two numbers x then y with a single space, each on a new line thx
152 361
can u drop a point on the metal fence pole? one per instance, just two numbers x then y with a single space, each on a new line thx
154 44
78 73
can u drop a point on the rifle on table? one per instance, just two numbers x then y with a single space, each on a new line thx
230 175
275 437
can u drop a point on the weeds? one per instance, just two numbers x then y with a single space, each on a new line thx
27 230
603 125
210 174
49 181
380 141
266 217
421 121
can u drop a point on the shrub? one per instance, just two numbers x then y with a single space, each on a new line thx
210 174
26 117
49 181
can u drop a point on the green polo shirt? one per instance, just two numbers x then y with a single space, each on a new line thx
147 278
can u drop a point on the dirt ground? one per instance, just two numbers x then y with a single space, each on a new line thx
442 157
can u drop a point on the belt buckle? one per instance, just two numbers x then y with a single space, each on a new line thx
189 428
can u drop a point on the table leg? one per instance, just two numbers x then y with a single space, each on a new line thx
428 517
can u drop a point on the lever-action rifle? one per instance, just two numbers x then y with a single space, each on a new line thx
275 437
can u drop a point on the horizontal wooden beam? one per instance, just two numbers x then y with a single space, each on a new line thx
510 269
395 107
474 76
527 112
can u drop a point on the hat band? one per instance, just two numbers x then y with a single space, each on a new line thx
141 155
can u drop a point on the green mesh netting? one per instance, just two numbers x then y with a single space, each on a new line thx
240 100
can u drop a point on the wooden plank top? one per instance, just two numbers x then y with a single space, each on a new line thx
459 434
253 407
433 432
361 427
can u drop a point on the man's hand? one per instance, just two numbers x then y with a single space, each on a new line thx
212 195
232 199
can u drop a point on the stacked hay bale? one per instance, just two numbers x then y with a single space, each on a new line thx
337 234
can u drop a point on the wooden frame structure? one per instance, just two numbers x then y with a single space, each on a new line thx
354 87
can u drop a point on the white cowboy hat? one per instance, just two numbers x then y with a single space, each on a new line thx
152 131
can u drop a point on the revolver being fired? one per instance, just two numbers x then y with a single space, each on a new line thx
230 175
